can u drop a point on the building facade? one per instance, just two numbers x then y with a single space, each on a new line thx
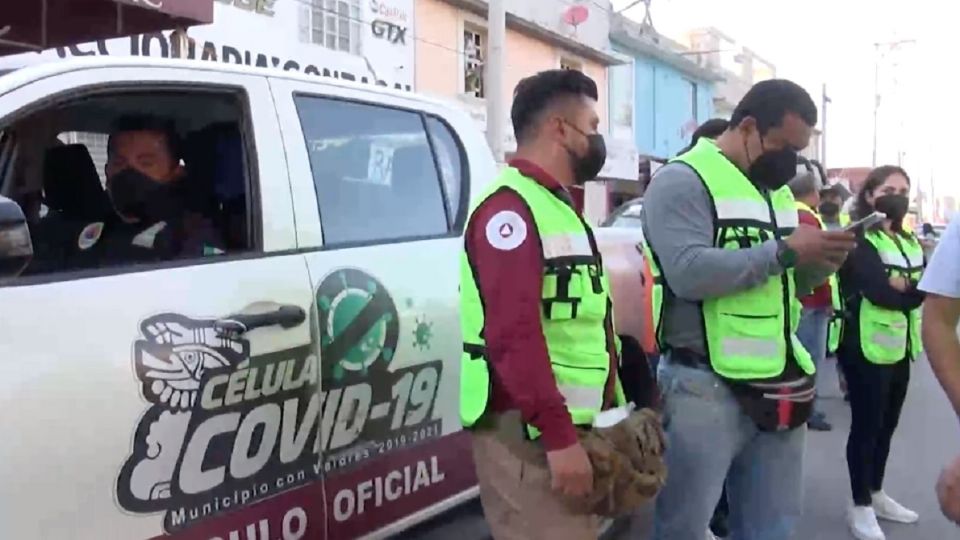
657 99
739 66
672 93
548 34
368 41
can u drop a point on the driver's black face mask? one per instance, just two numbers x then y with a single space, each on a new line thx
136 195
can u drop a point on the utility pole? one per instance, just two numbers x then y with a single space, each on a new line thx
876 98
493 70
877 56
823 130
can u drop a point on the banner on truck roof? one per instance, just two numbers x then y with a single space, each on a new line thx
369 41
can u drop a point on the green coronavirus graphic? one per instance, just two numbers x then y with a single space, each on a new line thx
341 311
422 334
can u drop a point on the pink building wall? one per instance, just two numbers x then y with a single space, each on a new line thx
439 52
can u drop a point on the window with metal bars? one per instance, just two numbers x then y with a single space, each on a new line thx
335 24
474 51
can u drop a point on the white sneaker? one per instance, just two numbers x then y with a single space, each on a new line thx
863 523
890 510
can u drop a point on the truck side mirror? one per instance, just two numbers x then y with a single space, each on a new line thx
16 249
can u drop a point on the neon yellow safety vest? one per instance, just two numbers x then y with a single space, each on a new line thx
575 304
836 322
844 219
888 336
750 334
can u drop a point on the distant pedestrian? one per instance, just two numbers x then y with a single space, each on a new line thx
834 219
818 306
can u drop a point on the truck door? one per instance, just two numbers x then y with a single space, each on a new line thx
171 397
379 186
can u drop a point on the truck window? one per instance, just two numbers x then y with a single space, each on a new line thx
135 178
375 173
451 160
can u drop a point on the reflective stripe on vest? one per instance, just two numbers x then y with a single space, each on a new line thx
888 336
749 334
751 209
557 246
835 327
574 308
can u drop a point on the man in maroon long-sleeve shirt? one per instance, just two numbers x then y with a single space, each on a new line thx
510 283
818 305
555 119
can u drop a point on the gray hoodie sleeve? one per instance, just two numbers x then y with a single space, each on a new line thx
678 223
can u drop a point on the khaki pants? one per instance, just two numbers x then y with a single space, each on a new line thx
518 501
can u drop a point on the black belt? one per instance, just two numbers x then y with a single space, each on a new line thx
689 358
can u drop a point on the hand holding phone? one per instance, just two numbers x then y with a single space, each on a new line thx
866 223
825 248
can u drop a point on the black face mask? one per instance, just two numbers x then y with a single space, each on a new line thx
829 209
895 207
587 167
136 195
773 168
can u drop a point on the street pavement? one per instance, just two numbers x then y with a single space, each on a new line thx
928 436
926 439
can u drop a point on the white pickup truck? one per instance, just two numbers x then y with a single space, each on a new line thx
329 408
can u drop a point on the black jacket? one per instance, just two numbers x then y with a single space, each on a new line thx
864 276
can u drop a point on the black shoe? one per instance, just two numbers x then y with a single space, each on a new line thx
817 422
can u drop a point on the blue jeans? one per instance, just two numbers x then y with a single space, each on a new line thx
710 439
812 333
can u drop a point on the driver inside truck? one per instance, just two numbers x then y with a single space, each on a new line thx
152 193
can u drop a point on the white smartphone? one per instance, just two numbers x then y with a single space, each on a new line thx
866 222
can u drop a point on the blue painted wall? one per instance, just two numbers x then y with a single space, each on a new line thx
664 106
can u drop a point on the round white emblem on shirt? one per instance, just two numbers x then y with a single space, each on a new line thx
506 230
89 236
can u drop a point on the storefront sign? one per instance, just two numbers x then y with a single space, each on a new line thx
393 33
282 35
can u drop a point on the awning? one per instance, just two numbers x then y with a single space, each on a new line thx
36 25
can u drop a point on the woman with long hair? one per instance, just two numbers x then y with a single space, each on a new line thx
881 338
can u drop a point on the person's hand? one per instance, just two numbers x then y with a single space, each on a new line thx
824 248
570 470
948 491
900 283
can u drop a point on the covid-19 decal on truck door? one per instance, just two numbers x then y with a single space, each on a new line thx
225 430
386 408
